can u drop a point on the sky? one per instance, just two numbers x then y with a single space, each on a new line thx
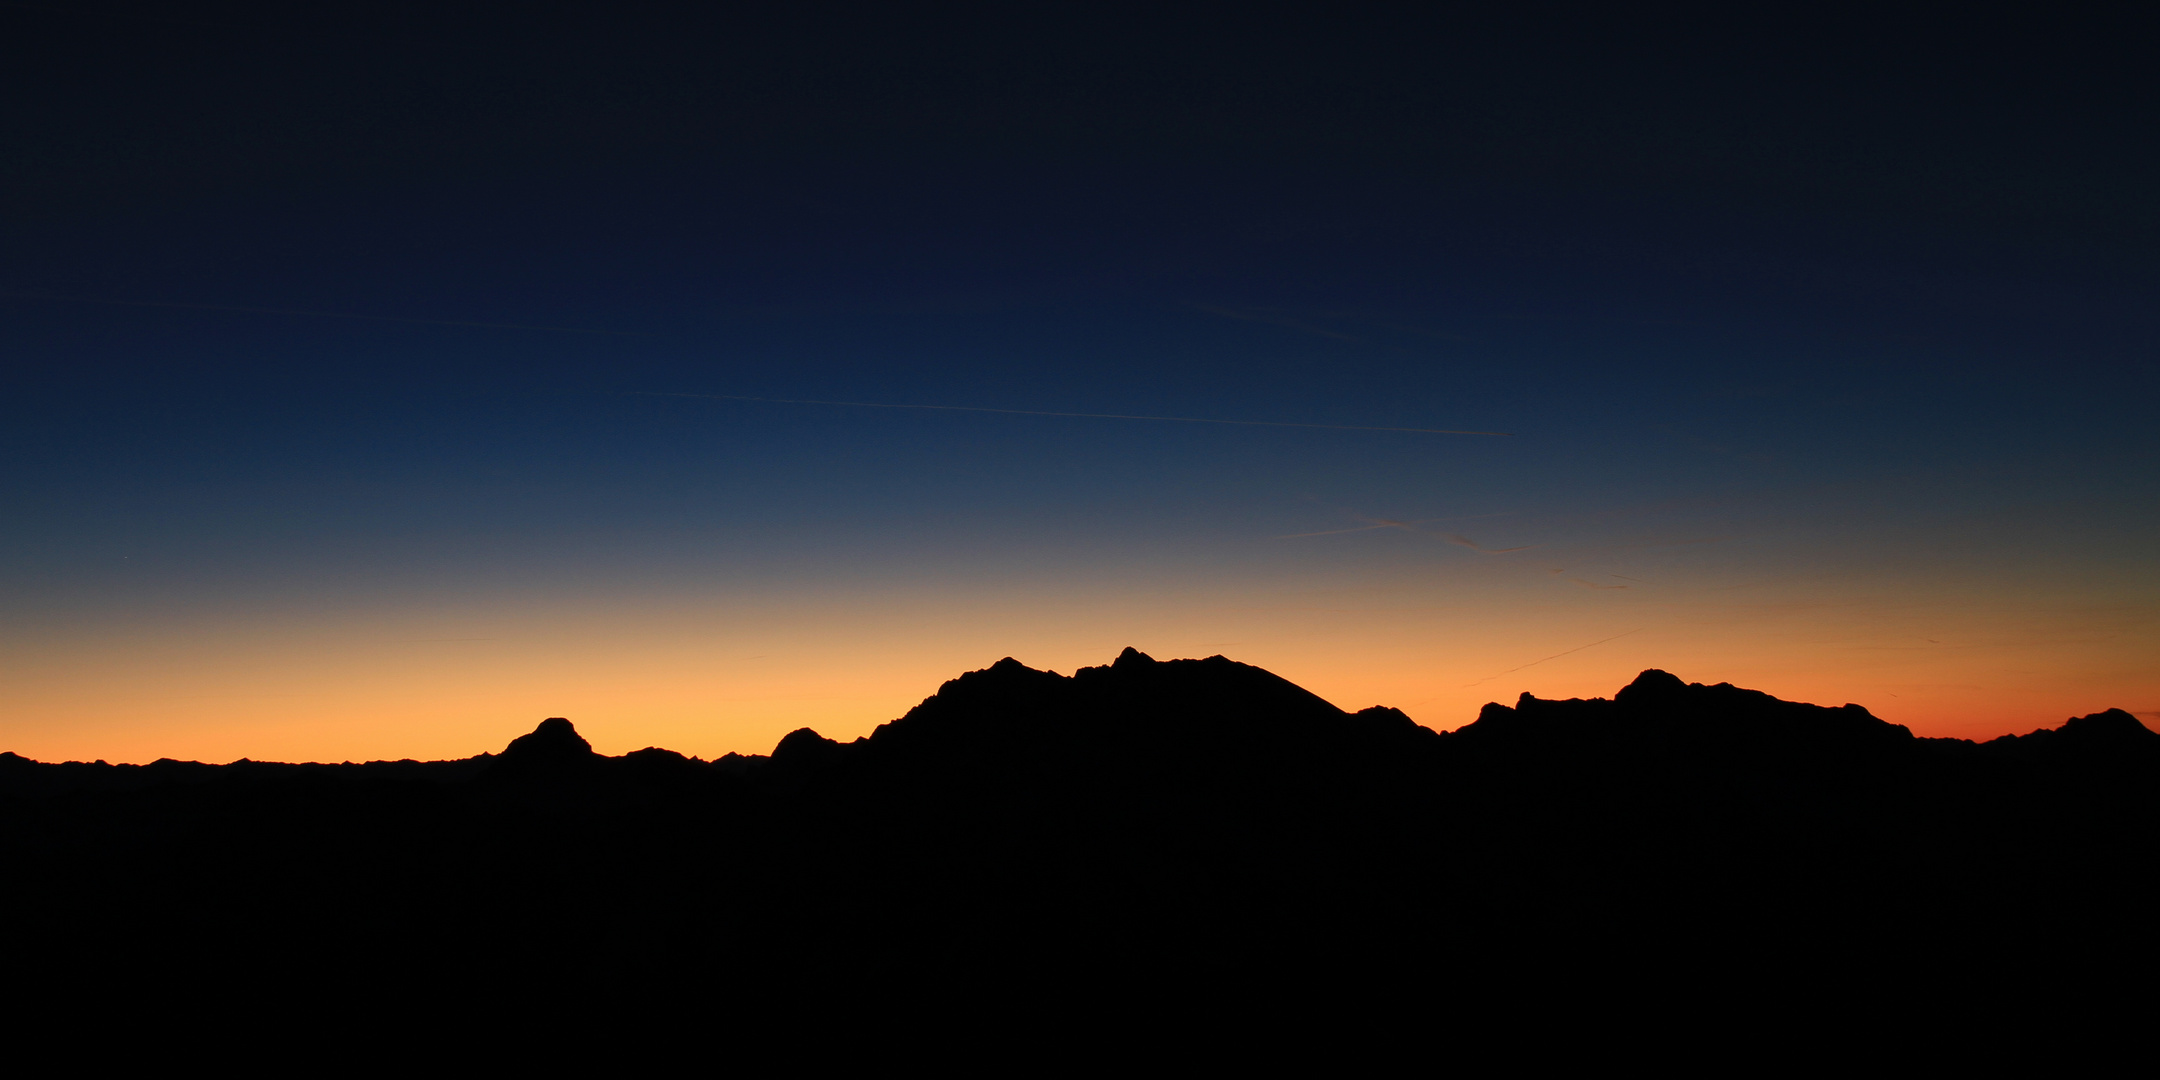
379 381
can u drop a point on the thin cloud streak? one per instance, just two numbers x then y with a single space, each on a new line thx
1411 527
1405 526
1044 412
1554 656
1475 546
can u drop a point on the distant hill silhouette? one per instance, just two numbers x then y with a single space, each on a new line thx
1190 830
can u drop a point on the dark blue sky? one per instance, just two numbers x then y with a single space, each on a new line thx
349 321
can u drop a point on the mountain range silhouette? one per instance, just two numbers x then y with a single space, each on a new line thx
1143 838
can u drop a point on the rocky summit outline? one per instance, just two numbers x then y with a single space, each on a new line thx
1184 831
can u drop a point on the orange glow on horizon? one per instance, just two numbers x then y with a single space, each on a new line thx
712 675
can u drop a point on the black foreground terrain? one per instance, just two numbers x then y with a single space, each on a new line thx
1141 839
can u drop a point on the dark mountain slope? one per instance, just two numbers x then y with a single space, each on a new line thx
1214 715
1182 830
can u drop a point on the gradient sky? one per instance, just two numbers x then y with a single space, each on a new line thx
379 383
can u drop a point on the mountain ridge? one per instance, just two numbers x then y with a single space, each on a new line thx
1165 832
1673 707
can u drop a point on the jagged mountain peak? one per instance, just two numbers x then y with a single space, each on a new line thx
1653 683
2103 733
804 746
1658 713
2113 726
1135 706
556 739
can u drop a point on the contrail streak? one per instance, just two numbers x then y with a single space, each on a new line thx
1340 532
1373 523
1081 415
1554 656
1475 546
19 295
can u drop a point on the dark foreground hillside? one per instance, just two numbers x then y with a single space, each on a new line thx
1146 840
